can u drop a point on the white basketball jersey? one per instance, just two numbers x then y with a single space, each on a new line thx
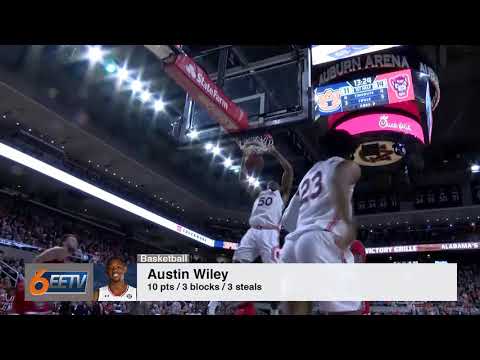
104 294
317 209
267 209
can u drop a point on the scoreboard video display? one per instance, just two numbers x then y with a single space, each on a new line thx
363 93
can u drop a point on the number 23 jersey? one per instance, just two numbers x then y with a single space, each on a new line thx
267 209
317 210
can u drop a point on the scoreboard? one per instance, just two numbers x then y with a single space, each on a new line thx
363 93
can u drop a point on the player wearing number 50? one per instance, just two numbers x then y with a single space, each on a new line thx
117 288
262 239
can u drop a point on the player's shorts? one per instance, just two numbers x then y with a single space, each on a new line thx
319 247
258 242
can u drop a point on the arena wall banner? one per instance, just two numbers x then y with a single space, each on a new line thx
423 248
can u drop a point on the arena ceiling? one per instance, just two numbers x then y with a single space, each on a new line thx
133 140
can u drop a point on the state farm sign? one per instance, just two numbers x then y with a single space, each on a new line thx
186 73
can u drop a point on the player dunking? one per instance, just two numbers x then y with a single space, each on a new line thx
325 229
56 254
262 239
59 254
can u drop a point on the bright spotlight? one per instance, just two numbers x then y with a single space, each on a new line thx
251 180
145 96
216 150
475 168
256 184
208 146
136 85
111 67
193 134
94 54
227 163
158 105
122 74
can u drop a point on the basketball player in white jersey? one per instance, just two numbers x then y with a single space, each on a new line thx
325 228
262 239
117 288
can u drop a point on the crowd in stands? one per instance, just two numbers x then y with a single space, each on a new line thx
27 223
419 234
468 303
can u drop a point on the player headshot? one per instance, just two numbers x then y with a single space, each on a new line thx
117 288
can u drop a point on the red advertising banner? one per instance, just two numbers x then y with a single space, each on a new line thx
187 74
423 248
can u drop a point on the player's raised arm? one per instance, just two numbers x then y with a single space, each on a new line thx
52 254
346 174
243 171
290 215
287 177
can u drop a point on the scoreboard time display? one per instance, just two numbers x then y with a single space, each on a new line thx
363 93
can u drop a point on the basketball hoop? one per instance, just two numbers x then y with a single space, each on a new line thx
258 144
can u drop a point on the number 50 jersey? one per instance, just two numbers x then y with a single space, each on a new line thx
267 209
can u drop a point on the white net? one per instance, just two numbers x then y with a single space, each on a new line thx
258 144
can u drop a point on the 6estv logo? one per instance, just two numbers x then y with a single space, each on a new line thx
46 282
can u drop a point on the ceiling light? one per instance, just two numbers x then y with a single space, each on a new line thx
159 105
193 134
110 66
216 150
145 96
227 163
94 54
122 74
136 85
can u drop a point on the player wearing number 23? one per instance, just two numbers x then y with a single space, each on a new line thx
321 222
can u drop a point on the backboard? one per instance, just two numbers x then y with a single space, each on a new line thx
273 92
